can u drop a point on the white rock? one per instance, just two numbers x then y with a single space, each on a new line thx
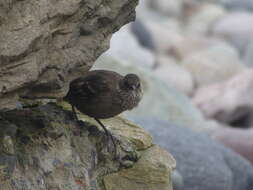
203 19
124 46
212 65
167 7
174 74
228 101
192 44
239 4
236 28
165 35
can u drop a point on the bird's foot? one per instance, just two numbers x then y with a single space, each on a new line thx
81 123
72 116
109 135
78 129
114 141
129 155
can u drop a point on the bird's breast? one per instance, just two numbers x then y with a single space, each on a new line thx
130 99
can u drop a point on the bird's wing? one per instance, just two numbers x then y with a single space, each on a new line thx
90 86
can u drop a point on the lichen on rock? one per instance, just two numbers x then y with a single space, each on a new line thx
151 172
44 148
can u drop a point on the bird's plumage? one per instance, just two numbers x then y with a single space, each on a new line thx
103 94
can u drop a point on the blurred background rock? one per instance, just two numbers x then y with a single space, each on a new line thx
195 59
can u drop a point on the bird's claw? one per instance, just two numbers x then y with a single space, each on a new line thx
111 138
81 123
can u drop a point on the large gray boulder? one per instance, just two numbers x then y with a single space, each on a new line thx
240 140
203 163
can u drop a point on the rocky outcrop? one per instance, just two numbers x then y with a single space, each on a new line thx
44 44
43 148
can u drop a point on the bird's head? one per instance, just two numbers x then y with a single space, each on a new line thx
132 82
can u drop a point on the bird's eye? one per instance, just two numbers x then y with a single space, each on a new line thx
138 85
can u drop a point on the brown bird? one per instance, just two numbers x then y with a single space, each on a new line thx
103 94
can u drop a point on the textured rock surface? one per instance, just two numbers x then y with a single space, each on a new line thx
154 177
44 44
42 148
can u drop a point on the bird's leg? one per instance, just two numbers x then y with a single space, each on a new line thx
74 112
108 134
80 122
